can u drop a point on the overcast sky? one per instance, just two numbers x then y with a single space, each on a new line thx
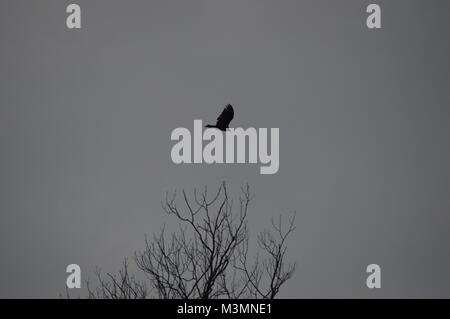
86 117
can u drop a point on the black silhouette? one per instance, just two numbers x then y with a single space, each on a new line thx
224 118
208 257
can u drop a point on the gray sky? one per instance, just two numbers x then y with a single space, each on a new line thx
364 118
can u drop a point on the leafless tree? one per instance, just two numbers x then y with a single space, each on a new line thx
208 257
120 286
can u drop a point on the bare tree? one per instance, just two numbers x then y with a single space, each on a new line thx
207 257
120 286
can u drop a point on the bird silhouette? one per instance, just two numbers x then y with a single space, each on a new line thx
224 118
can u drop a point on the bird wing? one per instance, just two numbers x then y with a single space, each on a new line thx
225 117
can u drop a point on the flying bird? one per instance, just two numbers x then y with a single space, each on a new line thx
224 118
